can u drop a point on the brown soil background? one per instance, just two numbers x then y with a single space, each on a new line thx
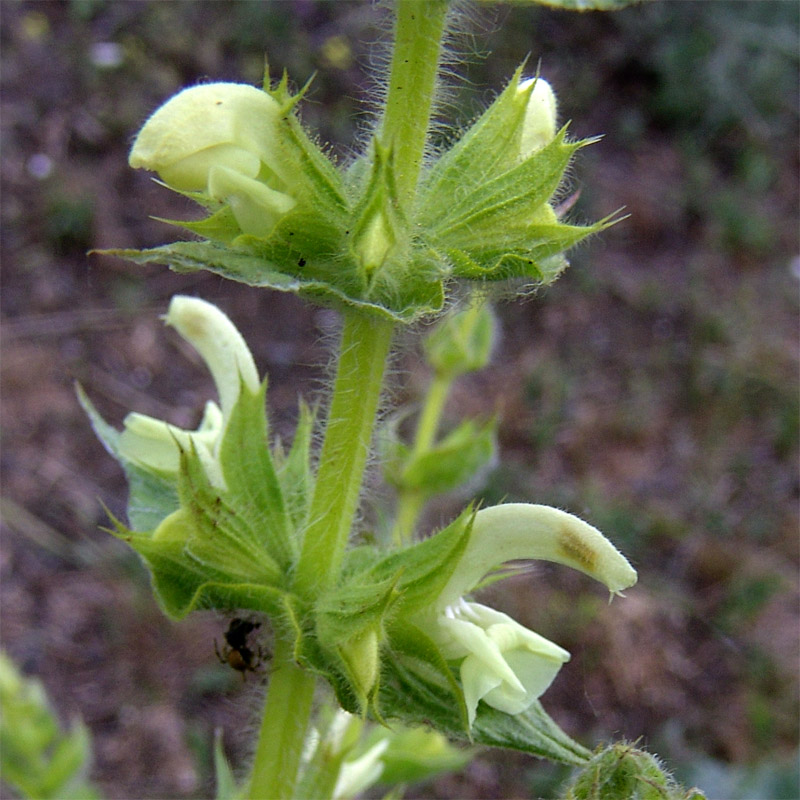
653 389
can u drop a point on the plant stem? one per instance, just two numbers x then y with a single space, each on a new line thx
412 81
282 737
428 424
364 352
362 362
411 501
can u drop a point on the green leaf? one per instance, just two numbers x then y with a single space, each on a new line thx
182 584
453 461
219 533
507 266
486 149
220 226
264 270
424 567
349 622
367 602
504 228
533 240
37 758
417 693
353 608
416 754
500 201
533 731
321 185
417 681
534 254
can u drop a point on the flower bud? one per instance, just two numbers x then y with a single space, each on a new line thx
539 124
462 341
374 243
622 770
361 654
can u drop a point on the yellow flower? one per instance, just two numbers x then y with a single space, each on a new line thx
503 663
221 139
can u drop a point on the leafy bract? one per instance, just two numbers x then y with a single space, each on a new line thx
453 461
414 692
151 497
261 266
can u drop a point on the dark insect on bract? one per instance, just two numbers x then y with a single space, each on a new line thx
236 652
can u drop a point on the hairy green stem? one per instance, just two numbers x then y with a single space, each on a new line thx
283 728
362 362
429 419
411 502
412 82
363 356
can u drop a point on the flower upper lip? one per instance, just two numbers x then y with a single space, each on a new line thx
525 531
155 443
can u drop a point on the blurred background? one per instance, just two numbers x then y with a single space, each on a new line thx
652 390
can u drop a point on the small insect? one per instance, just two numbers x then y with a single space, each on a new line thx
236 652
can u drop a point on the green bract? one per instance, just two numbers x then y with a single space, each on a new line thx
283 215
462 341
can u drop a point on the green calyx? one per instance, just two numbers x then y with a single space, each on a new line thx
283 215
222 547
